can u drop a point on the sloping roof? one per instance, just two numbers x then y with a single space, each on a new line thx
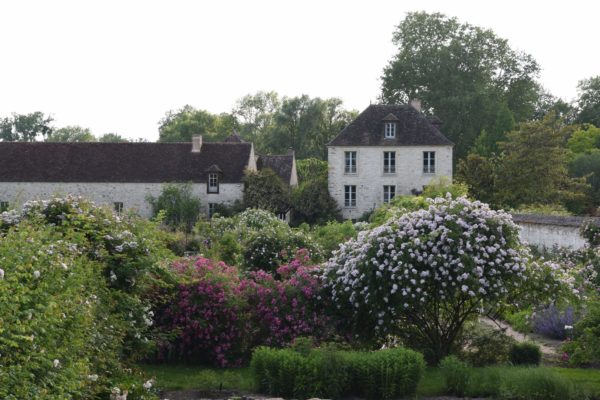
413 128
120 162
280 164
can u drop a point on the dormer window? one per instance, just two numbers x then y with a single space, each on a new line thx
390 130
213 183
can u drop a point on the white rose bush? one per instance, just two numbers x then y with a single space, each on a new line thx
421 275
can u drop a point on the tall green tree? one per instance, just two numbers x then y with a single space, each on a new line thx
71 133
25 127
462 74
256 115
180 125
533 169
112 138
180 206
265 190
588 101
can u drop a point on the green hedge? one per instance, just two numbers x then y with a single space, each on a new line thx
383 374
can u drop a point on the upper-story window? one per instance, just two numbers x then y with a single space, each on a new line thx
429 162
350 162
4 206
389 162
213 183
390 130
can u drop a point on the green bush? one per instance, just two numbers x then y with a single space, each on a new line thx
486 346
384 374
73 305
456 374
535 384
584 348
520 321
330 236
526 353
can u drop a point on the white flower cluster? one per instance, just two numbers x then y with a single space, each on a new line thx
454 251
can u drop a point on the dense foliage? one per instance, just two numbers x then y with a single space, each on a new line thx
422 274
330 373
216 316
73 310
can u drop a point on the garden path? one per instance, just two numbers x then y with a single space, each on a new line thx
550 347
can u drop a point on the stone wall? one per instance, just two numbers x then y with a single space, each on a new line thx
132 195
545 231
370 179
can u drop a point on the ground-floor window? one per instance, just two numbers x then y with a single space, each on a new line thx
212 208
350 196
282 216
389 192
118 206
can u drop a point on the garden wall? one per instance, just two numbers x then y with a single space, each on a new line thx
549 230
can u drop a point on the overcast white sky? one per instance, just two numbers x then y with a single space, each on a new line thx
118 66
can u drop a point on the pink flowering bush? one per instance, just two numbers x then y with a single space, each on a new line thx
286 307
207 313
217 317
422 274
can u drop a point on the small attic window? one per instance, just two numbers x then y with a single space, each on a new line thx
390 130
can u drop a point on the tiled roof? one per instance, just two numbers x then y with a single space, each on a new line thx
121 162
413 128
280 164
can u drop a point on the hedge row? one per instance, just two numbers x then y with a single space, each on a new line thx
383 374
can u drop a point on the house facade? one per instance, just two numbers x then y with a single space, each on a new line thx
123 175
388 150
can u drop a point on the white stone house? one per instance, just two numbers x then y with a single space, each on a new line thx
387 150
123 175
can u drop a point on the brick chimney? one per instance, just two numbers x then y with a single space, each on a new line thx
196 143
416 104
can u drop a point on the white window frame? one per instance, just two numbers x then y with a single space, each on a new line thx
282 216
389 192
389 162
211 209
349 196
118 207
350 158
213 183
429 162
4 206
390 130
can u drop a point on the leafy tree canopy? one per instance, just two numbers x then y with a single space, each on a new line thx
180 206
25 127
533 168
311 168
71 133
313 204
461 72
585 140
182 124
265 190
589 101
112 138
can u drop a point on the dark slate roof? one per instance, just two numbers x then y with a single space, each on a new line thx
280 164
413 129
120 162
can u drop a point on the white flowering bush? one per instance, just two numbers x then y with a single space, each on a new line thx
422 274
73 299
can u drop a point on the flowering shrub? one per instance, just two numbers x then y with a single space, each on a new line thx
207 313
217 317
285 308
262 240
422 274
551 321
72 298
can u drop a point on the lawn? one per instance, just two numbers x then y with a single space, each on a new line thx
179 377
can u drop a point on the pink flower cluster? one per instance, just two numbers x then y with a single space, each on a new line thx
218 317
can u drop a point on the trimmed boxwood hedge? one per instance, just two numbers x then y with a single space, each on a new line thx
383 374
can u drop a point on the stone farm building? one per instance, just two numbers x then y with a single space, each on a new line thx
386 151
123 175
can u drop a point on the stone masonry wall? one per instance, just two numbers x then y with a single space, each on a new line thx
370 179
132 195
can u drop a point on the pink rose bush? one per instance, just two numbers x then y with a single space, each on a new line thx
217 317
